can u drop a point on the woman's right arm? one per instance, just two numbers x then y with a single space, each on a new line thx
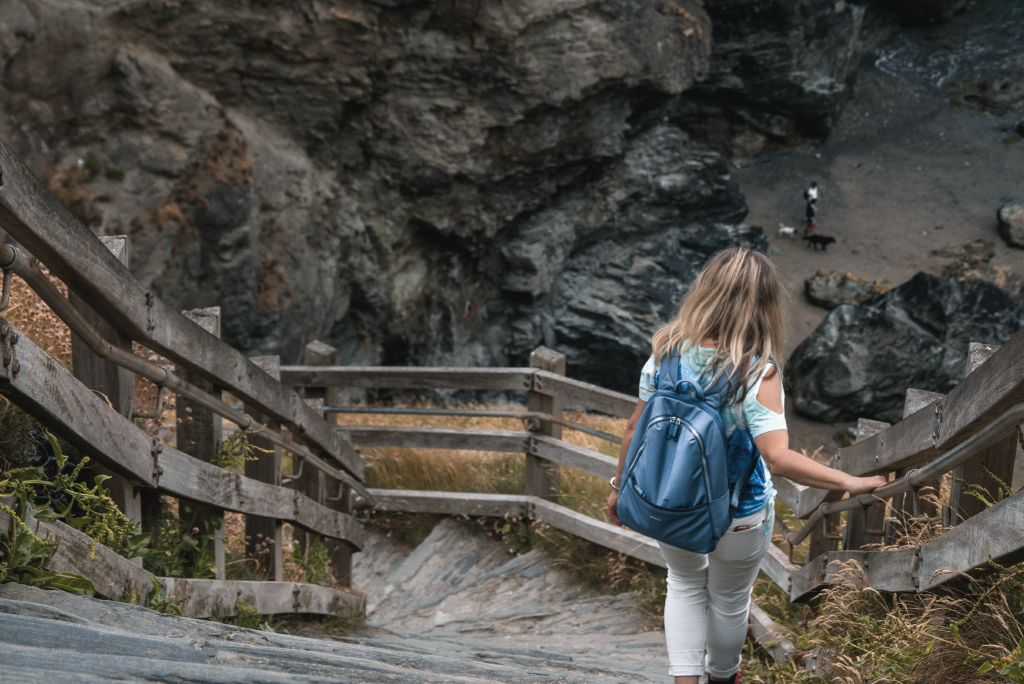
784 462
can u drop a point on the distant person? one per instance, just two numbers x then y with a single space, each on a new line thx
811 218
811 213
811 194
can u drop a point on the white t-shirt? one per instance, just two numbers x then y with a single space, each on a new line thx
812 193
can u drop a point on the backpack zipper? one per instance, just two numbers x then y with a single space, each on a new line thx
678 421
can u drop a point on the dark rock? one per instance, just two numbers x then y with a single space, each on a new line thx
1011 224
780 73
834 288
997 95
861 359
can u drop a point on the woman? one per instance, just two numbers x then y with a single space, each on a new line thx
730 325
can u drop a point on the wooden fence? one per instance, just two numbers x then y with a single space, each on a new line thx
94 409
933 424
313 501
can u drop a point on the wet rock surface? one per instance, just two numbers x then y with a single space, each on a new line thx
861 359
833 288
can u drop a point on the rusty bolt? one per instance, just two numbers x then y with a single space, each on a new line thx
16 367
15 337
7 359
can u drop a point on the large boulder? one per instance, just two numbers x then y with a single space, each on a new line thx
1011 224
861 359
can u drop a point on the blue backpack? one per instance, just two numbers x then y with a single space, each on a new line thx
675 487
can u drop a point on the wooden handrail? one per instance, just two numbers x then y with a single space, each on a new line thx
37 219
48 392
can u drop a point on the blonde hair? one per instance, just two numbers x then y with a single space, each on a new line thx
739 302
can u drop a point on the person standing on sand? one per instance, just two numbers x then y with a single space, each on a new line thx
730 327
811 213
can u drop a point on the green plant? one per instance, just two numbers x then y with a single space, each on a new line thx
182 545
92 165
247 616
236 449
312 563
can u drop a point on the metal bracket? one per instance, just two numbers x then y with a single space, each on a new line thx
287 479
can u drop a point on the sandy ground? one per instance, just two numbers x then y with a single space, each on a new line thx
903 174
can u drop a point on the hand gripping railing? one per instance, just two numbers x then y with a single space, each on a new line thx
11 261
917 477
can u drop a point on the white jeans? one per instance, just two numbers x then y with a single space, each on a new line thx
709 598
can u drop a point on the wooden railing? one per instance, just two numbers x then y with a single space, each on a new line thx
103 288
933 424
93 408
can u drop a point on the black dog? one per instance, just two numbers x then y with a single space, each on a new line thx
816 240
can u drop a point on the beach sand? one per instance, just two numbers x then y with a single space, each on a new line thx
903 173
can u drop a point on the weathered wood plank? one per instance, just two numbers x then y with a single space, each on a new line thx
776 565
861 523
510 441
579 393
113 575
604 534
577 457
917 399
187 477
392 377
451 503
48 392
218 598
789 492
36 218
986 470
993 533
264 536
770 636
542 476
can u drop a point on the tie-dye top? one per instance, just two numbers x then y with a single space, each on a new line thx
743 420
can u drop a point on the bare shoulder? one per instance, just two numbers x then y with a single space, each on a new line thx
769 394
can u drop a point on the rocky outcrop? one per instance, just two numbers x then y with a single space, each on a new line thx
999 94
780 73
834 288
973 262
1011 224
415 184
861 359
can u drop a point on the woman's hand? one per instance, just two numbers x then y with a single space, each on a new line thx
864 485
613 500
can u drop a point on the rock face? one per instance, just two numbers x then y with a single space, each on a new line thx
861 359
780 73
1011 224
834 288
423 184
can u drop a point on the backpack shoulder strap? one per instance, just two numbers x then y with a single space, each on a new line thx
668 377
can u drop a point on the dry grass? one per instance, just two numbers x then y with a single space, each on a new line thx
29 314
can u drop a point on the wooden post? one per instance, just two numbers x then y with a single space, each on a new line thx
861 522
542 477
998 459
115 384
330 492
199 431
901 509
263 536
